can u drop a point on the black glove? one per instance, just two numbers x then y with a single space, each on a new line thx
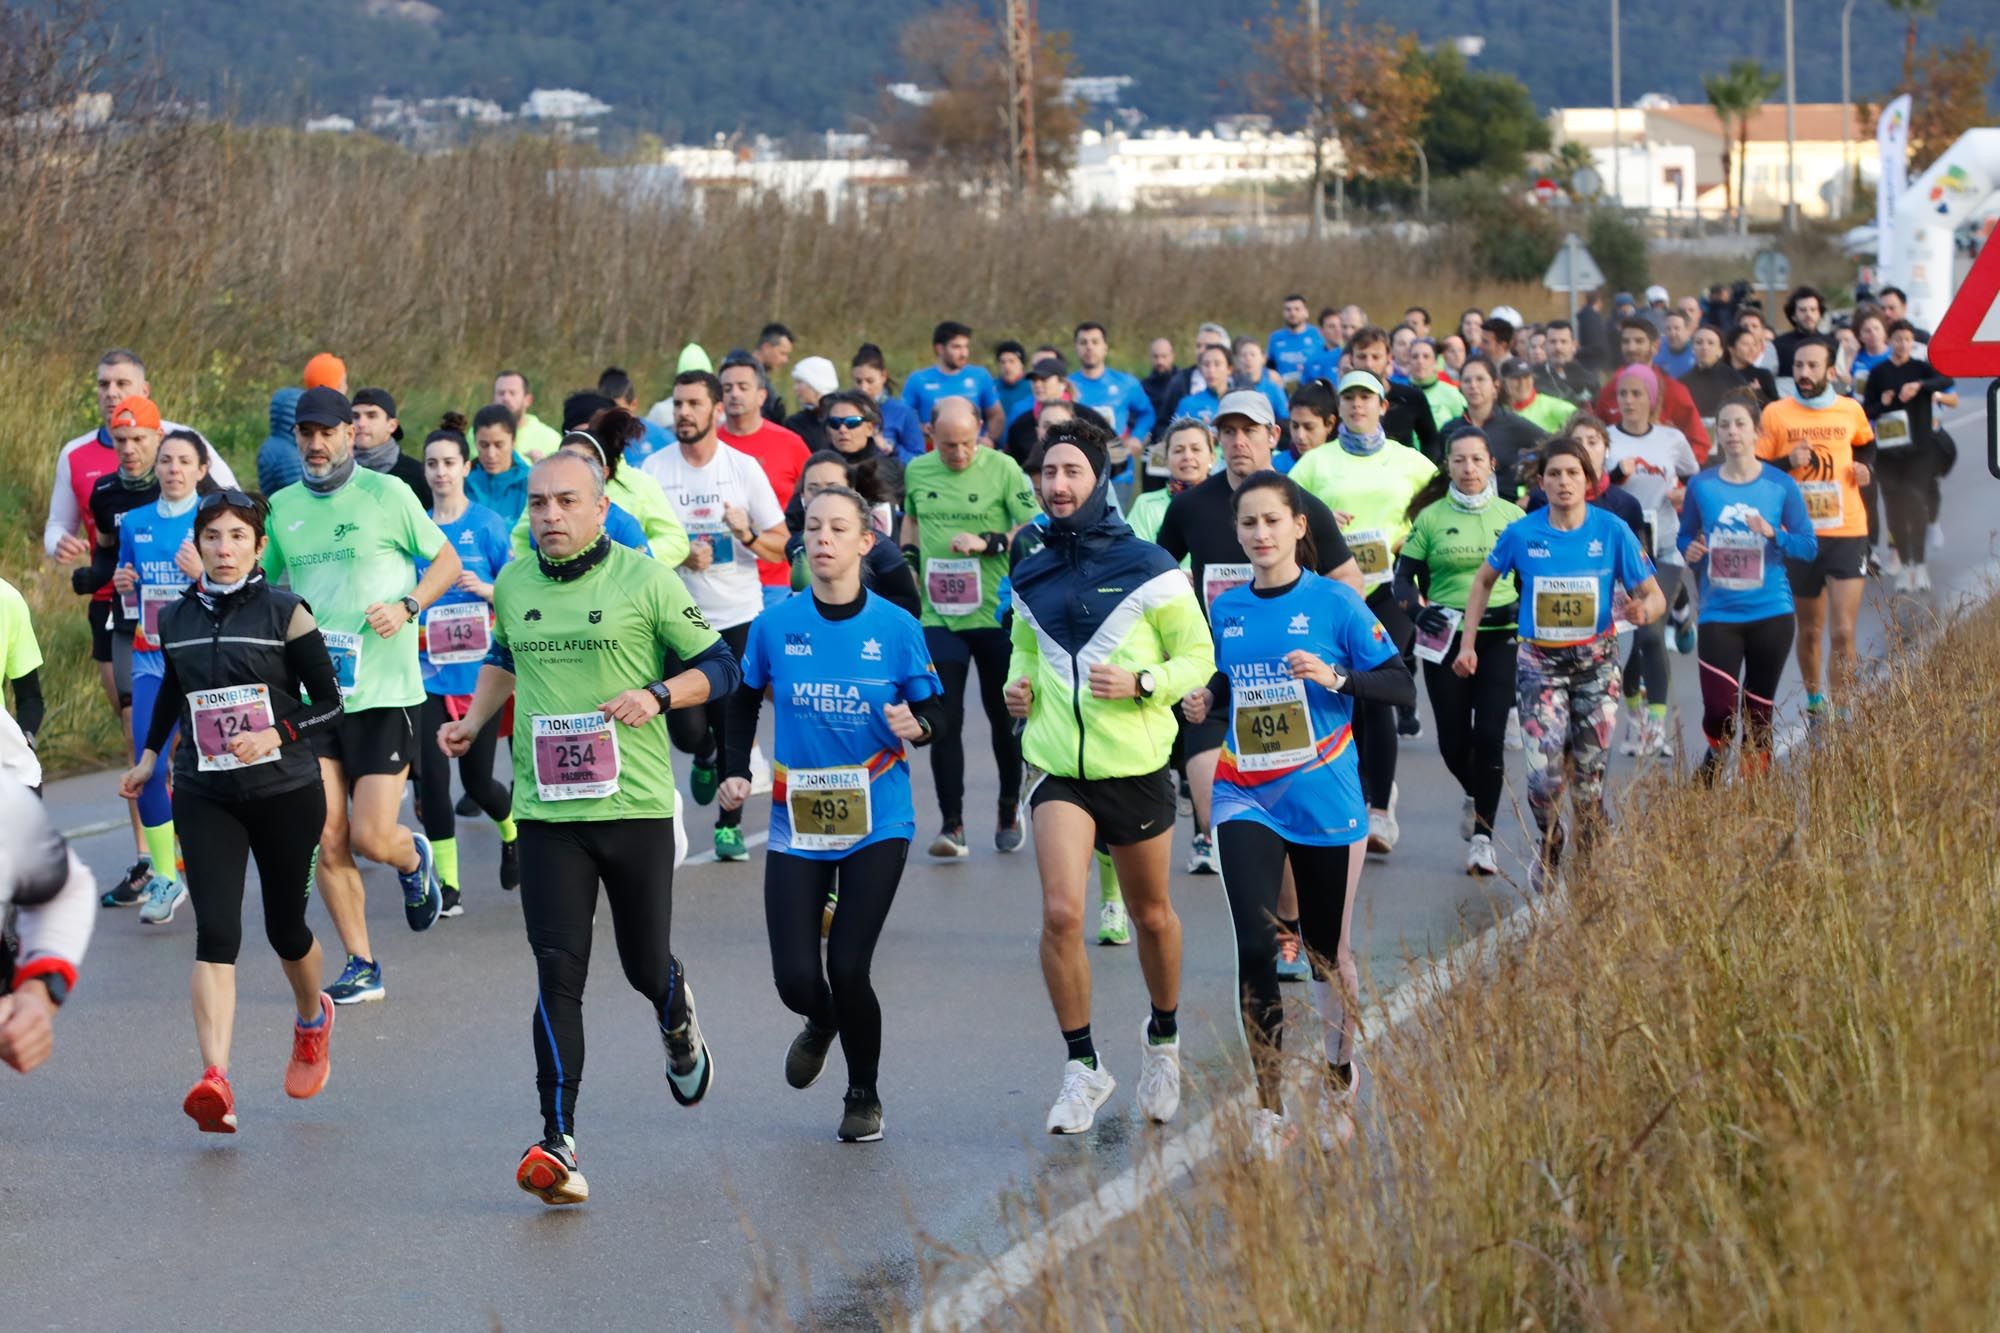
1433 619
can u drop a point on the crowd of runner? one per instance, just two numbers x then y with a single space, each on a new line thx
1203 594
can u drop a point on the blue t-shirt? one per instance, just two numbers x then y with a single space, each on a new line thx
1566 577
1288 352
1274 393
480 537
1200 405
924 388
1119 397
829 681
148 541
1323 366
1015 398
1288 759
656 438
505 494
1676 364
901 428
1743 576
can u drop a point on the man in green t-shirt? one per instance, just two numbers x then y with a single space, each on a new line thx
582 635
962 505
348 540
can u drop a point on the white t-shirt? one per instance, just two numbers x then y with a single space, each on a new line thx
727 591
1665 459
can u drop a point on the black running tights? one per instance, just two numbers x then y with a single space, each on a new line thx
218 838
1253 866
1753 652
955 652
475 772
699 730
840 996
1471 718
1376 742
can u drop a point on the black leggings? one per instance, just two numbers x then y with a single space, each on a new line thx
1648 663
954 652
840 997
1754 651
475 772
1471 717
217 840
1905 478
699 730
1375 737
561 866
1253 866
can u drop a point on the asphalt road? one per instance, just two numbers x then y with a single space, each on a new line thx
389 1199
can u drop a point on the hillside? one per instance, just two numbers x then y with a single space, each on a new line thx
783 66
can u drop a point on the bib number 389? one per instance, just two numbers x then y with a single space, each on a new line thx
576 757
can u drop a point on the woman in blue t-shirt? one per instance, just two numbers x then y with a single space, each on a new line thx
853 686
1293 652
1567 557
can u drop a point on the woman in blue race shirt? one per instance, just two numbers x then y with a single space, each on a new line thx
1294 651
853 685
1567 557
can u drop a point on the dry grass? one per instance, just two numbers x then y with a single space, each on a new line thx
1747 1080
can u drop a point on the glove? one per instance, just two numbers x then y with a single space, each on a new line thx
1433 619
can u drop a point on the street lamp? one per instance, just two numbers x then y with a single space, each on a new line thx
1423 181
1791 135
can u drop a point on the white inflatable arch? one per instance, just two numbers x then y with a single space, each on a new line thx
1920 257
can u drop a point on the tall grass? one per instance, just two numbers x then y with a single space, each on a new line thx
1747 1080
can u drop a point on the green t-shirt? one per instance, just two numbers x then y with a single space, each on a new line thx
19 653
1374 491
575 645
991 495
343 553
1453 542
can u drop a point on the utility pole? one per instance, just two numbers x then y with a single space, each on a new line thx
1846 110
1021 29
1317 227
1617 112
1791 136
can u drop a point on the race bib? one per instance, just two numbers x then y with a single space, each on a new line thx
721 543
1565 609
1272 725
1823 504
1370 547
345 650
1620 599
954 586
830 807
1156 460
576 756
1892 431
153 599
457 633
220 716
1736 560
1219 579
128 603
1435 647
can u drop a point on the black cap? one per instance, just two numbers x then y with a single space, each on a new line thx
383 399
1514 368
1048 368
323 407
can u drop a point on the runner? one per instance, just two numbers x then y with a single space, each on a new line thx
1454 522
1446 402
1566 558
49 892
1119 397
954 376
453 639
870 375
1406 413
500 482
1314 419
1212 364
1368 486
884 571
1740 516
1106 636
239 660
852 683
1293 650
725 501
1901 405
1638 342
1190 457
20 666
534 438
962 506
580 636
156 560
378 442
1295 342
1826 443
348 539
1546 411
852 423
1652 462
1512 440
780 452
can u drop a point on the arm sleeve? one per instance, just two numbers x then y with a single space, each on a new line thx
167 703
91 577
720 666
28 706
1218 694
740 711
1408 584
63 513
930 710
893 581
1796 537
1390 683
309 663
55 934
1183 633
1425 425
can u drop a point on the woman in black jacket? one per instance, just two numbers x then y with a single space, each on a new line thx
249 681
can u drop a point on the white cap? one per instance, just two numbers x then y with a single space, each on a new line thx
816 373
1508 313
1246 403
1655 293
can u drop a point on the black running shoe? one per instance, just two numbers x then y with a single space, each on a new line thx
510 865
689 1070
467 807
451 905
862 1120
807 1057
131 890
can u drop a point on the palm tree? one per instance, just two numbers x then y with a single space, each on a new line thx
1911 10
1736 95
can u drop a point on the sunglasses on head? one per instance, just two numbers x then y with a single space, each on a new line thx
230 497
847 423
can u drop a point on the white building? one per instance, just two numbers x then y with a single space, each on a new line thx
1171 168
562 104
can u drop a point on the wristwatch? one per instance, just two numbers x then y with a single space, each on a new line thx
1146 683
661 694
410 605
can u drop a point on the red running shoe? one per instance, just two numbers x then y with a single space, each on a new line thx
306 1074
210 1103
548 1171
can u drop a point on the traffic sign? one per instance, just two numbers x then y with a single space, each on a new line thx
1772 270
1546 190
1586 183
1573 270
1967 340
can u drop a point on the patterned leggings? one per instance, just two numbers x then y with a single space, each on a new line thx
1569 710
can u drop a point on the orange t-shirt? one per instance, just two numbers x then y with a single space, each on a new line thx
1832 433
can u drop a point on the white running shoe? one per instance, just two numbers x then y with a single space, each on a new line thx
1468 821
1479 859
1159 1076
1513 741
1934 537
1652 738
760 771
1921 578
1635 734
1892 562
1083 1090
1201 855
1336 1116
1270 1135
1382 832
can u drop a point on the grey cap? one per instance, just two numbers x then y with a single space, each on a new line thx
1246 403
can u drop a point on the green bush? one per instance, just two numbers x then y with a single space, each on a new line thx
1619 249
1500 236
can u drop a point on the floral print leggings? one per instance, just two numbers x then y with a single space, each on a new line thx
1568 699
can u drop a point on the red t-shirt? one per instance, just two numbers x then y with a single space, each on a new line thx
89 457
782 455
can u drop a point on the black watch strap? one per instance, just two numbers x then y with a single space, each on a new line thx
410 605
659 690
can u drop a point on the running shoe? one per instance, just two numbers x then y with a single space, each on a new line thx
1634 742
949 844
1934 536
861 1120
807 1057
467 808
826 912
449 902
1383 831
729 844
1336 1113
1479 859
131 890
1513 741
358 983
1270 1135
1292 963
548 1171
1684 636
1159 1075
163 897
510 865
211 1104
1408 725
1889 562
306 1074
1920 578
1008 834
689 1070
1114 926
1468 821
704 780
1083 1090
760 771
423 894
1201 855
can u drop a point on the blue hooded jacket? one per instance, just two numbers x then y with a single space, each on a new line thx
278 456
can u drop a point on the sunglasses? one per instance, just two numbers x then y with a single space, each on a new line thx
230 498
847 423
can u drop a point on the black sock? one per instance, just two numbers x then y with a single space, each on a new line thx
1080 1047
1342 1075
1164 1026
